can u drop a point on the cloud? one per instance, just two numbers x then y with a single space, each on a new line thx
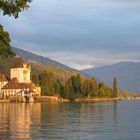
77 25
79 33
81 67
85 60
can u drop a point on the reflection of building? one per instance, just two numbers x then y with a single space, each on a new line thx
21 127
19 81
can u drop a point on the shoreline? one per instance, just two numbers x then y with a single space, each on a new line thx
97 100
42 99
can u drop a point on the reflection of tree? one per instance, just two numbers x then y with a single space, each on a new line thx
84 118
115 115
57 120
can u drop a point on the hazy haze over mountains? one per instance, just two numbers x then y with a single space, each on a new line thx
127 73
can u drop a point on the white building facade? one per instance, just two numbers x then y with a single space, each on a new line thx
3 81
19 82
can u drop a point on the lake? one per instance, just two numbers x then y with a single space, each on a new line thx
71 121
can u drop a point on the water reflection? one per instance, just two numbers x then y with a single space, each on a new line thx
16 119
58 121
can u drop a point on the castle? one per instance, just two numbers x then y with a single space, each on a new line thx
20 83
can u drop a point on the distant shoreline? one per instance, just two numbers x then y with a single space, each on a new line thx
41 99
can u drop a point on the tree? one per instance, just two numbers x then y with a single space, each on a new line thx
76 83
90 88
101 92
58 88
104 91
115 88
5 49
69 91
11 8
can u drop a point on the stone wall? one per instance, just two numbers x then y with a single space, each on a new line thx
49 99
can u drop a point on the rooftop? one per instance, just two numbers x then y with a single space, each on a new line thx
14 84
20 64
3 78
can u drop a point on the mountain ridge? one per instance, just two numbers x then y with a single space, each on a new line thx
127 73
29 56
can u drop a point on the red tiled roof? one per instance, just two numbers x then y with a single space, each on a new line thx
3 78
14 84
20 64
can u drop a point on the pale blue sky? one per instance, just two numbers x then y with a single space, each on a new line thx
79 33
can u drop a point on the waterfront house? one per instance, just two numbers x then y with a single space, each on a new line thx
20 83
3 81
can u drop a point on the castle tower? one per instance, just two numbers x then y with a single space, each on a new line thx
21 70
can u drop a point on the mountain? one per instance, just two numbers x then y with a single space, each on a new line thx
60 81
127 73
39 59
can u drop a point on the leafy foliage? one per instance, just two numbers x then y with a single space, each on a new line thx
76 86
127 94
50 85
56 81
13 7
90 88
5 49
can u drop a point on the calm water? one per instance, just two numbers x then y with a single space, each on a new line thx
71 121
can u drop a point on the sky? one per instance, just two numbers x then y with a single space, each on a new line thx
79 33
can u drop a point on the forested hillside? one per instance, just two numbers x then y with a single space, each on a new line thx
56 81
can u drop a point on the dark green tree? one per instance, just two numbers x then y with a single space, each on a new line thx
101 92
50 85
115 88
69 91
11 8
76 84
43 83
57 88
5 49
90 88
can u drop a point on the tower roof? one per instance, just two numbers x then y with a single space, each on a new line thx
3 78
14 84
20 64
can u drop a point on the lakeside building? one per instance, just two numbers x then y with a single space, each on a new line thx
3 81
20 83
